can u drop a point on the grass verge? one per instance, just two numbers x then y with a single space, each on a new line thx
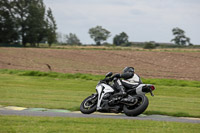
24 124
67 91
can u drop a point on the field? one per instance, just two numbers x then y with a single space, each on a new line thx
66 91
171 64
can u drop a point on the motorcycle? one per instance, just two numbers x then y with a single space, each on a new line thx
107 100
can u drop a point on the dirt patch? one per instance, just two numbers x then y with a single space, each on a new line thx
148 64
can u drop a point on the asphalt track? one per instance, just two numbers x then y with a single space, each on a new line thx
65 113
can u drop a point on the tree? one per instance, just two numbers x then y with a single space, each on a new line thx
8 33
19 10
99 34
26 21
180 38
120 39
51 28
72 39
36 23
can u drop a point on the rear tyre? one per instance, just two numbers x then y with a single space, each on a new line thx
138 108
89 105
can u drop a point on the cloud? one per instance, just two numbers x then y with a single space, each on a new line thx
142 20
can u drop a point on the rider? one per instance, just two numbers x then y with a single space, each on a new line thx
131 80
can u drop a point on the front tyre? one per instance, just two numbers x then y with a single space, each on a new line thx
89 105
138 108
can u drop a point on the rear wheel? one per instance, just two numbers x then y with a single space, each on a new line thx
138 108
89 105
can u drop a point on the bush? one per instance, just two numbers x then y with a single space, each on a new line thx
150 45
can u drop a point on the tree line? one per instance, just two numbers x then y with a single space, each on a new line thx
100 35
26 22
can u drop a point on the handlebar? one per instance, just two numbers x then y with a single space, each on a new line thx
108 79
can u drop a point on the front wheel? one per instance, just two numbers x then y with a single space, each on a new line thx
138 108
89 105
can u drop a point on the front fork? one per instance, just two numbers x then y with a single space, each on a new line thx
94 96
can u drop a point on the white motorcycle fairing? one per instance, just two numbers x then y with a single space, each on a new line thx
102 89
139 89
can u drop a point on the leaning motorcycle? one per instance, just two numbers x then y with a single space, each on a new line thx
107 100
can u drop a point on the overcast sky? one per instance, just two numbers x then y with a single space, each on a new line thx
142 20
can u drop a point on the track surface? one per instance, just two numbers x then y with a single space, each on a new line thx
98 115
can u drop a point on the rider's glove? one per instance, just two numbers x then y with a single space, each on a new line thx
117 75
108 79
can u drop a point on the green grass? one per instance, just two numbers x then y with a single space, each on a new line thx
25 124
67 91
52 74
44 92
